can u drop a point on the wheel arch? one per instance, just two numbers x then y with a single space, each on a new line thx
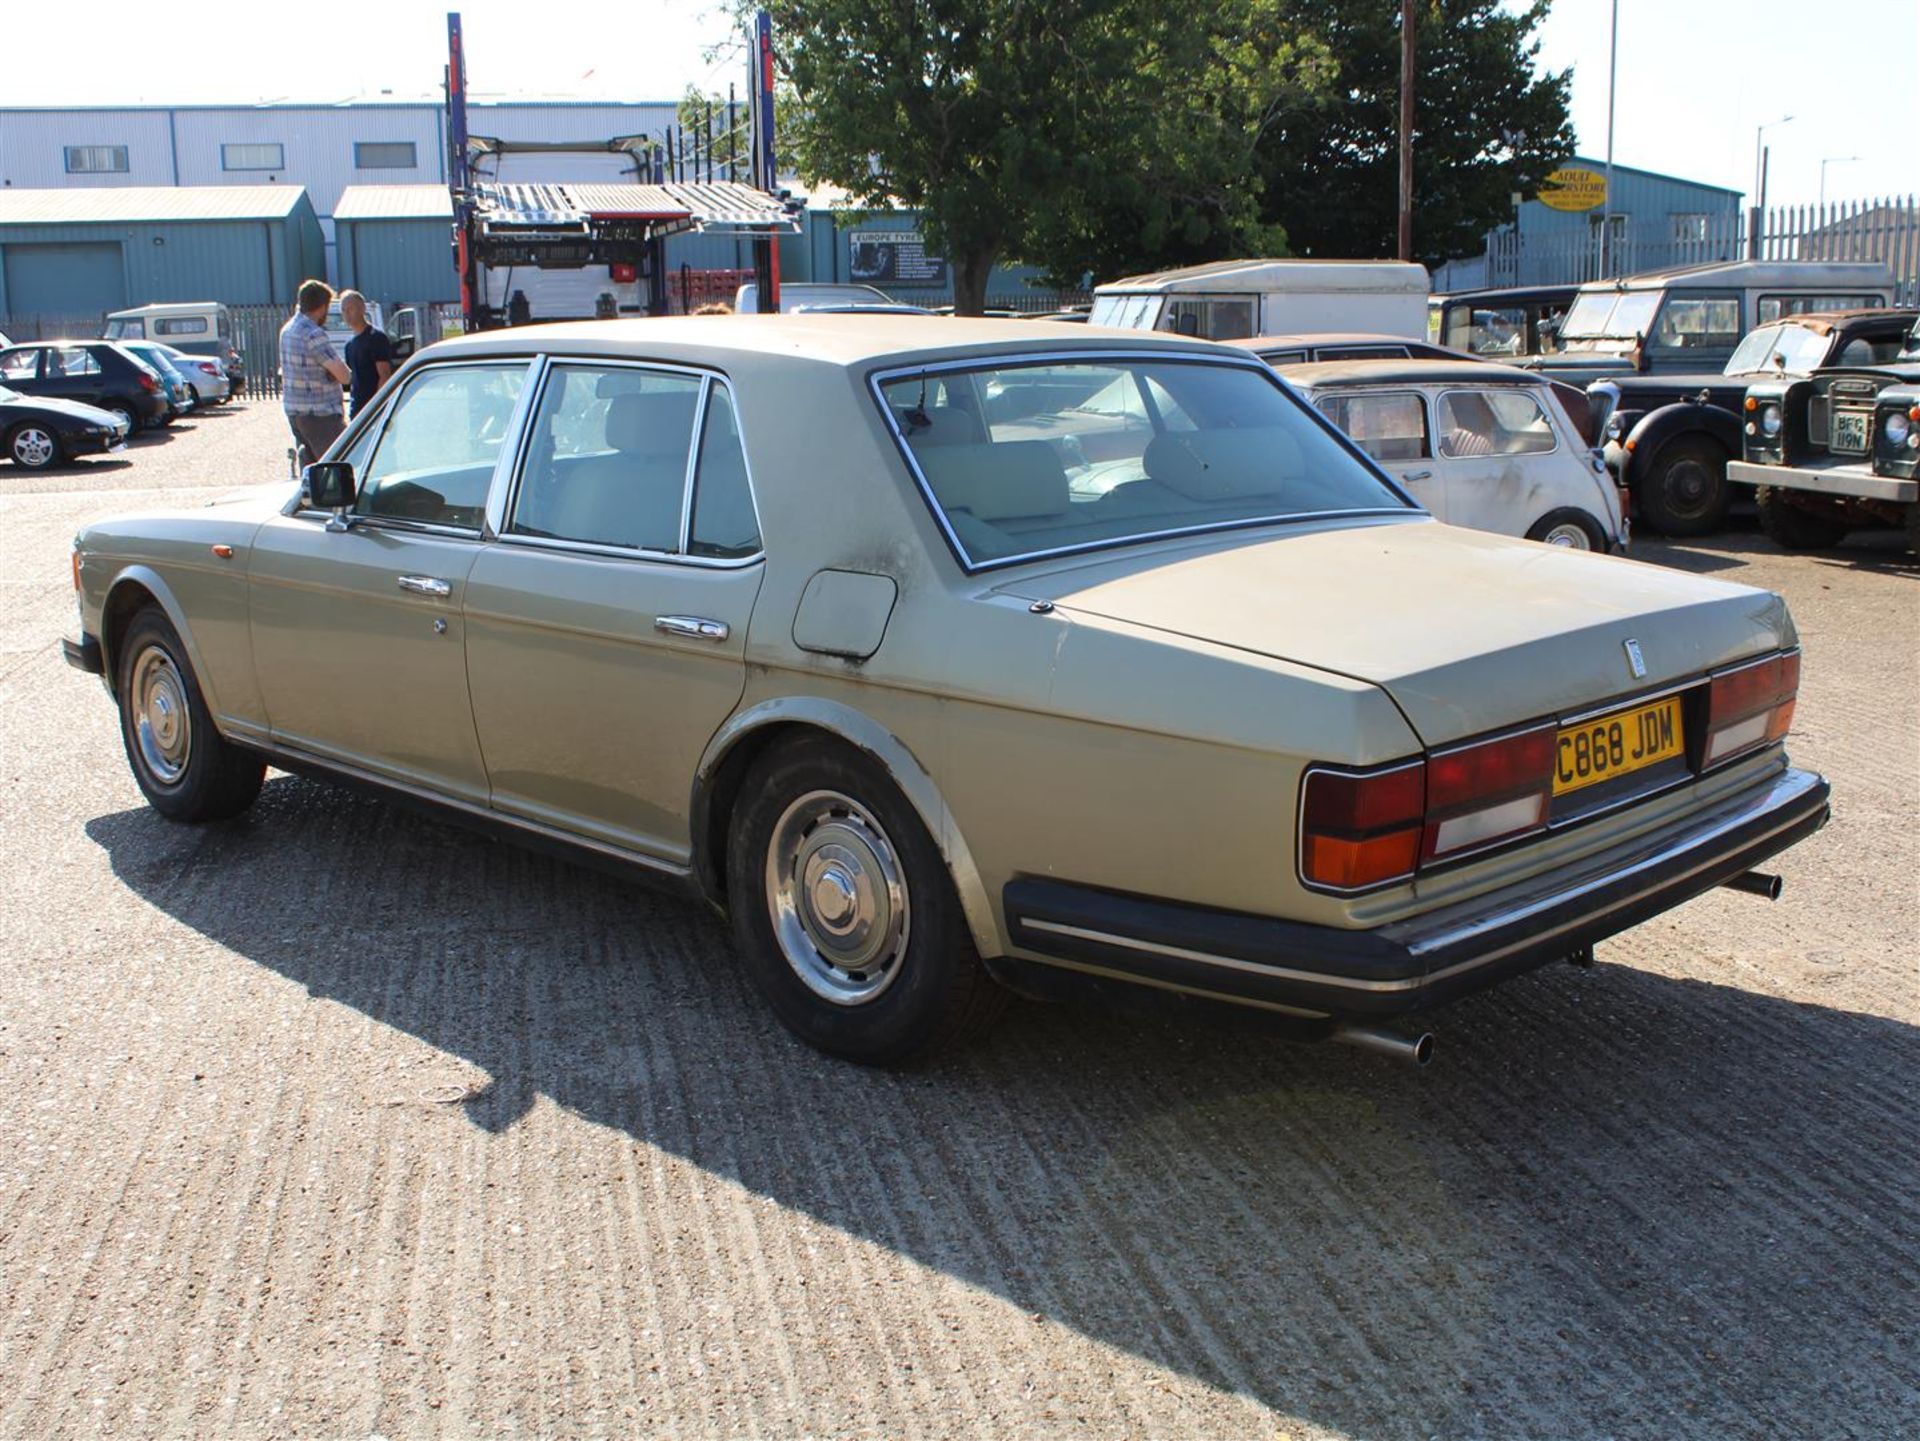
136 586
748 735
1658 429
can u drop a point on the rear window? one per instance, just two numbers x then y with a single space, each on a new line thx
1021 460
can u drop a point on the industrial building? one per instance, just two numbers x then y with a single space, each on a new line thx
1655 222
79 253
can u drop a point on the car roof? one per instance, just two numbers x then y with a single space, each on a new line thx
1309 340
1408 372
851 340
1822 322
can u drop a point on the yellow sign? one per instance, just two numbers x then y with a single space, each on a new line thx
1573 188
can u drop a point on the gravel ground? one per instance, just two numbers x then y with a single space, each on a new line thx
336 1121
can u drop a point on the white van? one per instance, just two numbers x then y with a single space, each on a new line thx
1236 299
199 327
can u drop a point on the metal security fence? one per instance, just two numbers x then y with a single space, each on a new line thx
72 326
1885 230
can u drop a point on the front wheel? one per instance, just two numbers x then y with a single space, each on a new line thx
1685 492
126 413
1570 528
845 915
1792 526
187 770
32 446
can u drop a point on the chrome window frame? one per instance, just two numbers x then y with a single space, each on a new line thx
1005 360
1532 392
379 415
506 493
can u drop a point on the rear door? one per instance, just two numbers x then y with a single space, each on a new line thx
606 627
1490 443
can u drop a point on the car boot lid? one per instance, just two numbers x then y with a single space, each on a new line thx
1470 633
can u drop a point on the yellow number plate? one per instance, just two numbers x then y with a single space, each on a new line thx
1617 744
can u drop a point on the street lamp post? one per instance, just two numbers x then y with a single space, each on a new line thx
1831 160
1760 186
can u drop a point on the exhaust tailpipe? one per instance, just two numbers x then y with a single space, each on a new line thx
1755 883
1413 1050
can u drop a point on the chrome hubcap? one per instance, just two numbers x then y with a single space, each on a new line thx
33 447
837 898
1573 537
160 722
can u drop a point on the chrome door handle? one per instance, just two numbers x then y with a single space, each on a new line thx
1418 475
425 585
694 626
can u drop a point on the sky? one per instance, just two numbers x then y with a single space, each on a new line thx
1695 76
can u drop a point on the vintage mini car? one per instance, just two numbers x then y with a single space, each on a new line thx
1477 444
1836 451
948 656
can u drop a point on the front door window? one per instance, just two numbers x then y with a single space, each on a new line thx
435 457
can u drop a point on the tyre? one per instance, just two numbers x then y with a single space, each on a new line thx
32 446
1570 527
186 769
1794 527
1913 529
126 413
1685 492
845 915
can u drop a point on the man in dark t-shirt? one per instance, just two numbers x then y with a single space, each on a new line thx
369 355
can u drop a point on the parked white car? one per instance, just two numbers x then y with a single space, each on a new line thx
1478 445
207 376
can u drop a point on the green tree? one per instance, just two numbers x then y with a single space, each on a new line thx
1073 134
1485 125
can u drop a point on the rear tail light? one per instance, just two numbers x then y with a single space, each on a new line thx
1361 829
1493 791
146 381
1751 707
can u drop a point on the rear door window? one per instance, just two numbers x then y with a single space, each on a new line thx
72 360
1480 422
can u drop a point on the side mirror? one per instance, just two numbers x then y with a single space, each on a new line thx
330 484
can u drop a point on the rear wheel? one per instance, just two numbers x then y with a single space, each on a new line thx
1793 526
186 769
1570 528
32 446
1685 492
844 912
1913 529
125 412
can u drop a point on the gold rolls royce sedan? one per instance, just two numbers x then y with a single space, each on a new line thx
949 657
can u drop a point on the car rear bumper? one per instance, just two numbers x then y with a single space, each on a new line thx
1427 959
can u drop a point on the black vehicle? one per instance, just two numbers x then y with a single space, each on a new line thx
1507 323
1668 438
1835 452
92 372
38 434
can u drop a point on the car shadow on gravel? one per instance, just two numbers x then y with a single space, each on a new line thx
1883 551
1619 1204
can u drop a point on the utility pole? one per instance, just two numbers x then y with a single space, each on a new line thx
1406 129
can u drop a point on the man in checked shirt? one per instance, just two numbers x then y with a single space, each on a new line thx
311 373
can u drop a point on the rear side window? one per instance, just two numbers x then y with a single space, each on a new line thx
607 459
1773 307
181 325
1493 422
1699 322
724 524
72 360
1387 426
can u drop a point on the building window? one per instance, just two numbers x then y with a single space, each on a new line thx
1690 227
253 157
384 155
96 159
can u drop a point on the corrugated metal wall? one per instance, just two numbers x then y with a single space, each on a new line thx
238 262
397 262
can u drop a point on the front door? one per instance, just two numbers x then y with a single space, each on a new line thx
606 628
1390 426
358 638
1488 439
